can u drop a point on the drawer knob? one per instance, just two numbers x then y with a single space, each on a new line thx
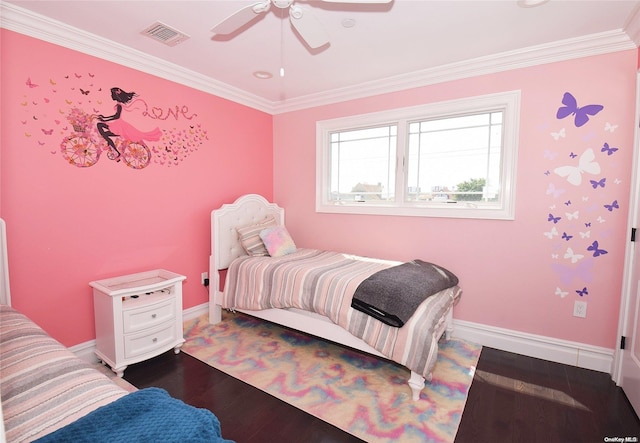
154 315
154 339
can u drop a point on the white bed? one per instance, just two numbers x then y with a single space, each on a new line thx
226 247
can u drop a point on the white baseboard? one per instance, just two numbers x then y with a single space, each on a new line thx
86 351
547 348
195 311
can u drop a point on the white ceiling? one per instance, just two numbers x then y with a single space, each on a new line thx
390 43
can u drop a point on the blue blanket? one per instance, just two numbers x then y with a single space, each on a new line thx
148 415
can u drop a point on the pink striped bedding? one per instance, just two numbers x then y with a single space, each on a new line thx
43 385
324 282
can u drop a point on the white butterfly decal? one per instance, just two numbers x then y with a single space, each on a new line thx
561 293
585 234
560 134
609 127
586 163
573 257
554 256
572 215
552 233
600 219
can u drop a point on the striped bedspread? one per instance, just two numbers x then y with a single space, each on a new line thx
43 385
324 282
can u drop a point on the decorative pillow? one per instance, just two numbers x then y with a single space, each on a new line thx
250 236
278 241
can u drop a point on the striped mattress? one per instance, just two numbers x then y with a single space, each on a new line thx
324 282
43 385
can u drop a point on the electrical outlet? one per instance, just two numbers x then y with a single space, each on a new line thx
580 309
204 277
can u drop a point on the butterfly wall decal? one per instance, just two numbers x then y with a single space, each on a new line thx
552 233
596 183
30 84
553 219
572 215
595 248
582 292
562 133
609 127
581 271
570 255
551 190
607 149
586 164
612 206
561 293
581 114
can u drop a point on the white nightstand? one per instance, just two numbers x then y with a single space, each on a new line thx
137 317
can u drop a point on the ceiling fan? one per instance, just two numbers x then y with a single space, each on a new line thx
302 19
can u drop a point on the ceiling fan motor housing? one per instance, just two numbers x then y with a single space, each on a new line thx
282 4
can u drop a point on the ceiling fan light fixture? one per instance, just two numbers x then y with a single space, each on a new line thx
531 3
348 22
262 75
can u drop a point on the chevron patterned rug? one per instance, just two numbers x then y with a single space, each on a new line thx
363 395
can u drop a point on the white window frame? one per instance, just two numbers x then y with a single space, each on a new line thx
508 102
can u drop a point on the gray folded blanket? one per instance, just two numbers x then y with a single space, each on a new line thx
393 294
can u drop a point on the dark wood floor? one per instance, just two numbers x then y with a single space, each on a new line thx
512 399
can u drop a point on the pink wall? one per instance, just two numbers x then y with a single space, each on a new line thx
513 275
69 225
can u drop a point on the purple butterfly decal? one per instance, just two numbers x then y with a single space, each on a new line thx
567 274
554 219
595 248
600 183
572 155
587 225
568 203
582 292
612 206
571 108
607 149
566 237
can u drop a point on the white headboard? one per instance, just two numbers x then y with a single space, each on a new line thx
248 209
5 294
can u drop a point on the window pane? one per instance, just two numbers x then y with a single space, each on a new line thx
455 159
363 164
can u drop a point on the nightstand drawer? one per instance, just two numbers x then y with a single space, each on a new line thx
139 344
148 316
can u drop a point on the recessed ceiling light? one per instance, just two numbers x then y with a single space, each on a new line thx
262 75
531 3
348 22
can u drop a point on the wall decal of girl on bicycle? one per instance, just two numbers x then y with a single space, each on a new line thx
123 133
113 134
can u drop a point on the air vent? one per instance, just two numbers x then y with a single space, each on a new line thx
165 34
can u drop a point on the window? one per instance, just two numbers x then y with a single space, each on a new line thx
449 159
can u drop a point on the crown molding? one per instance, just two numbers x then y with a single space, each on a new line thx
633 26
23 21
594 44
38 26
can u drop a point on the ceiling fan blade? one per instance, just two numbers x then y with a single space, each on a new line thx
240 18
308 26
357 1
